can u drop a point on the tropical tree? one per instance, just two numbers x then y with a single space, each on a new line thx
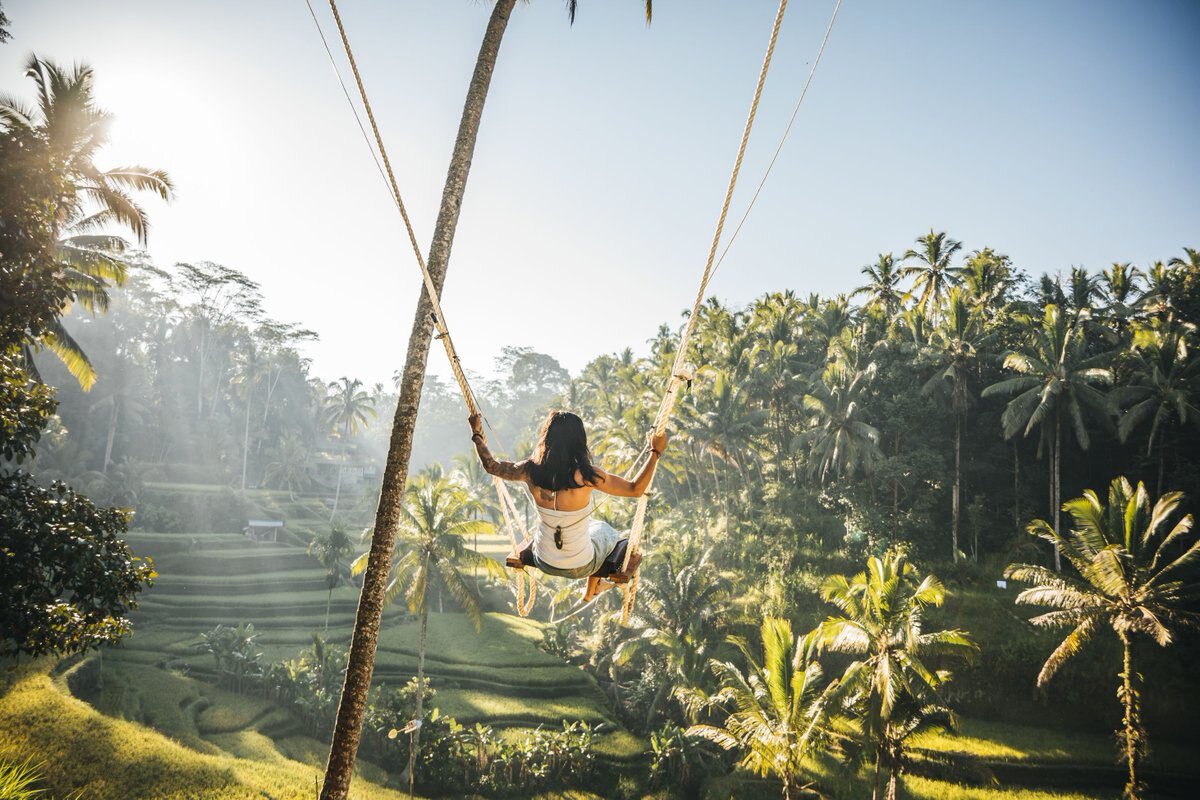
64 133
933 274
331 550
889 687
987 278
956 349
882 288
1119 288
347 409
289 467
1164 383
839 442
782 706
1056 384
680 621
437 516
1134 577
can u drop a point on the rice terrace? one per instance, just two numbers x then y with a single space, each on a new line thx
812 409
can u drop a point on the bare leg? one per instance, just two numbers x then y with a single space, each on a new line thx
595 586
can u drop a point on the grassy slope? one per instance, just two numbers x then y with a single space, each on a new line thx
113 759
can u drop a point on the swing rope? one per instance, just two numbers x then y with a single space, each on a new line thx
679 374
513 521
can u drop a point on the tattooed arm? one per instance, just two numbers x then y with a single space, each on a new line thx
507 470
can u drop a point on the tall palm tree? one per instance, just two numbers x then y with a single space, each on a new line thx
782 706
882 288
67 131
956 349
1190 260
437 517
289 466
1163 385
1119 288
889 686
347 409
1055 386
933 273
1133 578
987 278
331 550
679 624
839 442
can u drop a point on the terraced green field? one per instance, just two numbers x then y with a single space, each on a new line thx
498 677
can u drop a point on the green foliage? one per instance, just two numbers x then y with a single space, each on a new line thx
782 707
1136 576
678 759
890 688
25 407
18 781
68 579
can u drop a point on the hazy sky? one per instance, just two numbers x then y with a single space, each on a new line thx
1061 133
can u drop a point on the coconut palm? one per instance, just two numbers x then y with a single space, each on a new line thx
289 466
331 550
1190 260
438 516
1163 387
987 277
1119 288
839 441
890 687
679 624
67 131
782 706
1056 384
882 287
1134 577
956 348
933 274
348 408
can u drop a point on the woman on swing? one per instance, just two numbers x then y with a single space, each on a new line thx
560 475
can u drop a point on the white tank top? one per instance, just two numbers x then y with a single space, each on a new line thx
572 528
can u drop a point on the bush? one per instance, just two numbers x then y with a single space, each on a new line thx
67 579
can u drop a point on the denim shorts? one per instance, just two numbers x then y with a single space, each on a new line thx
604 540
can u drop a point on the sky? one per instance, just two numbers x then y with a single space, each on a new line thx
1059 132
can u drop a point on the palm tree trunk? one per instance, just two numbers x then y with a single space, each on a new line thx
1016 484
877 778
893 781
246 442
361 661
416 737
337 492
956 492
1131 734
328 603
1162 460
112 436
1057 510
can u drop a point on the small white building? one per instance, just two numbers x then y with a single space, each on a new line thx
263 530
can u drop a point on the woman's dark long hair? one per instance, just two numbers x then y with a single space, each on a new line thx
562 450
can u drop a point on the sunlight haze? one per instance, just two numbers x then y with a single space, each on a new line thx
1053 132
